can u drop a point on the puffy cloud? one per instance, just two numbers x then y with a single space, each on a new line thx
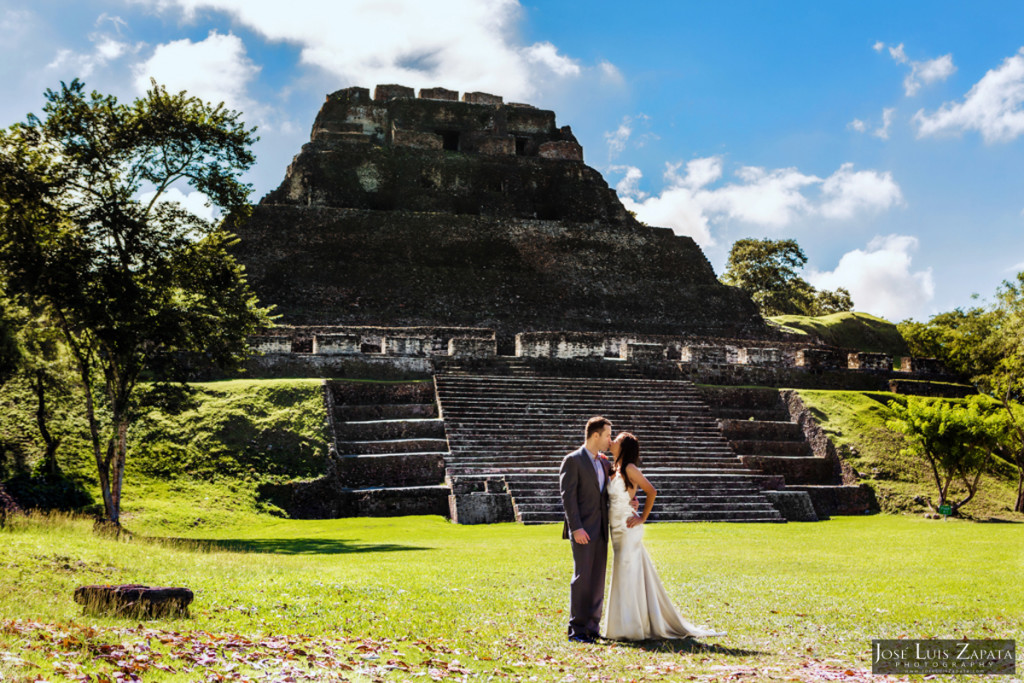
547 55
463 44
105 49
690 203
215 69
921 73
847 192
857 125
880 278
618 138
992 106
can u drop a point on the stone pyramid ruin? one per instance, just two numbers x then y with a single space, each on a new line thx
433 211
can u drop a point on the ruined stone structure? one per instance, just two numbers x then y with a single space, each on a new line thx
466 247
430 211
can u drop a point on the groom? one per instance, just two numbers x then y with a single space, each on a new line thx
583 480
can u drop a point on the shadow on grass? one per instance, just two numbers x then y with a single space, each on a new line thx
688 645
284 546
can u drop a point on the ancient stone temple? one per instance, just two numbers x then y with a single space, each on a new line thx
464 248
428 211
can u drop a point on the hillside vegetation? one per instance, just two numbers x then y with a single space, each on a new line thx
859 331
855 422
195 458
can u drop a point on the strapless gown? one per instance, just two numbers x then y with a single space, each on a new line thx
638 606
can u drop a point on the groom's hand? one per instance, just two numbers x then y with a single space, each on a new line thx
581 536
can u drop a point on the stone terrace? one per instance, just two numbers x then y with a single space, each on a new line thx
510 433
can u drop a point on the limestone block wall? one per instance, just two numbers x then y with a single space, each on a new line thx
869 361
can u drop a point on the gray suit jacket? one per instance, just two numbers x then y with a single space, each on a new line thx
585 505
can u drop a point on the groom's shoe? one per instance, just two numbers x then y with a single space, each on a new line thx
581 639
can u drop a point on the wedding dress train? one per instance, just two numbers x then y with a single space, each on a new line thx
638 606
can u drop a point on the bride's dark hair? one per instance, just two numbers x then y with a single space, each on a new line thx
629 454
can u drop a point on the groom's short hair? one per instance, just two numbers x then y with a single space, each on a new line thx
597 425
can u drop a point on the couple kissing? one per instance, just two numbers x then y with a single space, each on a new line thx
598 497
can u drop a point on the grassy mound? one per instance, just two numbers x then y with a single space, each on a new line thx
855 422
195 458
858 331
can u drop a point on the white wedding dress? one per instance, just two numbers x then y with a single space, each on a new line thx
638 606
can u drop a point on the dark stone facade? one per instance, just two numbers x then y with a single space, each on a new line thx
405 211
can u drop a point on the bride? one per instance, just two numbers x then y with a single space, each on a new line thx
638 606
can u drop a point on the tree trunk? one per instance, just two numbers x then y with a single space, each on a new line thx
50 457
1019 507
118 450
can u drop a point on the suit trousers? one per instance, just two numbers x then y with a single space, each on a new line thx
586 592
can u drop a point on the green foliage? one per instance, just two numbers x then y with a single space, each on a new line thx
859 331
769 271
956 440
198 452
126 279
964 340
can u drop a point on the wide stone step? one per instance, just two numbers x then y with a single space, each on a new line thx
386 411
391 446
794 449
806 470
756 414
695 516
377 393
663 508
425 428
762 430
391 470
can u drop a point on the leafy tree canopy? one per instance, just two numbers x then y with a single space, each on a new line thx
769 270
125 275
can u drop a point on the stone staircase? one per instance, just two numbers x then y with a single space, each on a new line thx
390 445
763 431
387 457
508 434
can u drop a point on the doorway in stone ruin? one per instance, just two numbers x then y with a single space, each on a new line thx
449 140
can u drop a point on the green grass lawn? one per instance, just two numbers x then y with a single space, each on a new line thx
418 598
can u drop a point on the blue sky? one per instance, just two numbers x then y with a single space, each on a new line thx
884 137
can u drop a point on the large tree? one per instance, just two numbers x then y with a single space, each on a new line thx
87 231
769 270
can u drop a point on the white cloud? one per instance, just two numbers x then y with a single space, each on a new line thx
611 73
193 202
921 73
992 106
467 45
82 64
691 205
847 193
617 139
880 278
215 69
547 55
878 46
881 132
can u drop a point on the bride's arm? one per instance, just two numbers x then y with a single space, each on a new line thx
637 477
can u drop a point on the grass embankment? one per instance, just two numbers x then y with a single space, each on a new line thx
405 598
858 331
855 422
194 459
